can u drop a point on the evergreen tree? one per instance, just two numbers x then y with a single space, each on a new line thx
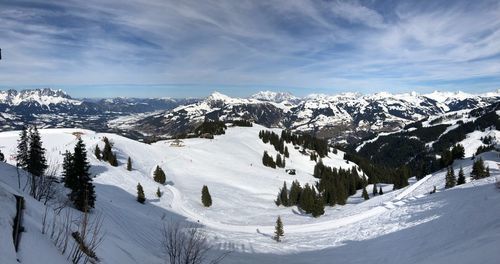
478 169
458 151
97 152
461 177
37 164
278 161
129 164
140 194
295 190
287 154
107 151
283 196
380 192
365 194
278 230
450 178
83 194
158 192
69 176
318 208
159 175
113 161
22 149
375 191
487 171
206 199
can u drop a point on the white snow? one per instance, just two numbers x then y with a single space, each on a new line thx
459 225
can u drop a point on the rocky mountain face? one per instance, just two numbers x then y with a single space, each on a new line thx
345 117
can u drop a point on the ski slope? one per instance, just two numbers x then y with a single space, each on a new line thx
243 213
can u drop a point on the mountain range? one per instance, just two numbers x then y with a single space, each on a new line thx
346 117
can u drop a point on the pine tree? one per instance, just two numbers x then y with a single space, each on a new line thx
458 151
380 192
294 195
375 191
158 192
83 194
22 149
69 176
365 194
461 177
283 196
451 181
287 154
113 161
37 164
97 152
278 161
159 175
140 194
129 164
478 170
206 199
487 173
278 230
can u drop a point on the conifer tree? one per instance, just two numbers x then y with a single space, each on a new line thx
287 154
461 177
69 176
140 194
375 191
450 178
380 192
159 175
206 199
278 230
97 152
295 189
283 196
83 194
158 192
22 149
478 170
487 174
129 164
113 161
365 194
278 161
37 164
107 151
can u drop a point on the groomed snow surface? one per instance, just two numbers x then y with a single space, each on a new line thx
460 225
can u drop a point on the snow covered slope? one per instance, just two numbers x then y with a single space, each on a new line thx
404 226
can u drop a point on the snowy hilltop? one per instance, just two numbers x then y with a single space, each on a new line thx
243 204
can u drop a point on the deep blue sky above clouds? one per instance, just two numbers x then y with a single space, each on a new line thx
184 48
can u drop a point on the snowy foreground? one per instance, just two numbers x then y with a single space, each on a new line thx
460 225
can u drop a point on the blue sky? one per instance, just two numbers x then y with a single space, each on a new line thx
189 48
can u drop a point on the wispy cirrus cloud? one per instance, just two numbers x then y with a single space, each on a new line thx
300 45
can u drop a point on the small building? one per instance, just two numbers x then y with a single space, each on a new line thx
207 135
177 143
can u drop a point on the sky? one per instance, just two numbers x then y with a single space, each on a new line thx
187 48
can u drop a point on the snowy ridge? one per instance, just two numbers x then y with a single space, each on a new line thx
346 116
43 97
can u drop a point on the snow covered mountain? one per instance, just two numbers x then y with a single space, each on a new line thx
55 108
277 97
347 116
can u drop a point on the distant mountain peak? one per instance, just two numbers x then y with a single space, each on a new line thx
216 96
44 96
277 97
